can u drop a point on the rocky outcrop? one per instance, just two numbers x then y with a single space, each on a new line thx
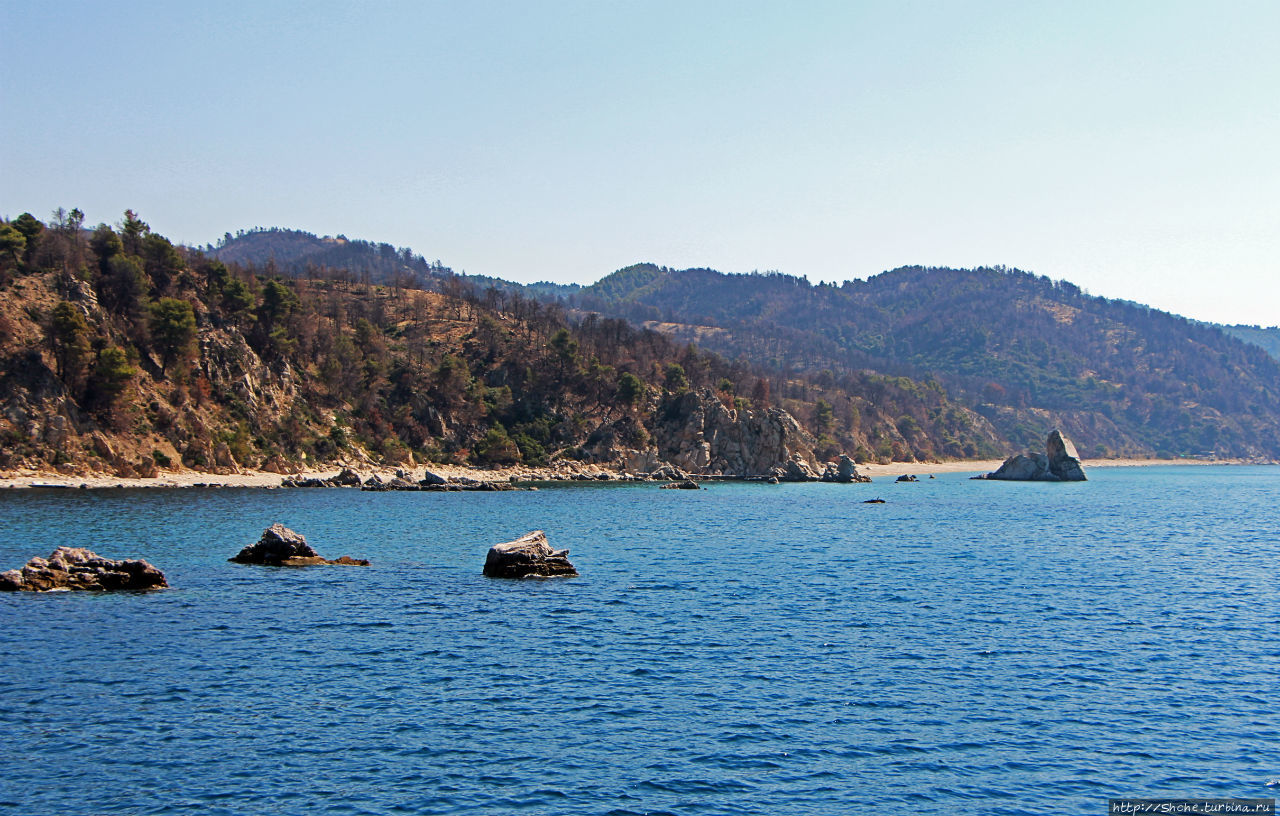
282 547
695 432
75 568
530 554
1059 463
843 471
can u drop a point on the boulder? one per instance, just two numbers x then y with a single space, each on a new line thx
687 484
906 477
1059 463
429 478
530 554
667 472
347 478
75 568
843 471
797 469
282 547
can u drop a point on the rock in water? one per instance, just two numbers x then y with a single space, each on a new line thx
530 554
282 547
1064 462
80 569
843 471
1060 463
687 484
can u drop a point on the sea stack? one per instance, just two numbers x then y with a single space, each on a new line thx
1059 463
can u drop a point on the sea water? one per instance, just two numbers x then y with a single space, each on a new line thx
965 647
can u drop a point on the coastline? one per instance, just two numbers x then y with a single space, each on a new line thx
24 479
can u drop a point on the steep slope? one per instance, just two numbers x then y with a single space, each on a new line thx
122 353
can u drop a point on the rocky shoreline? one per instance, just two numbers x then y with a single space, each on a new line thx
52 479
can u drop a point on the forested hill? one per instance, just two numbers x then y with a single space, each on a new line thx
1024 351
1267 339
122 352
295 253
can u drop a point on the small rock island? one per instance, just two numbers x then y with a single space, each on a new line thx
282 547
528 555
75 568
1059 463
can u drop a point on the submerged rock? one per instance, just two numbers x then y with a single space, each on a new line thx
282 547
530 554
1059 463
75 568
687 484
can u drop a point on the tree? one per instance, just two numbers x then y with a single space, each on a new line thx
12 244
823 417
496 448
162 262
69 338
630 389
133 231
173 328
123 288
674 378
237 300
110 377
31 228
106 245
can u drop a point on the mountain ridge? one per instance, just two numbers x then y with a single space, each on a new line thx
1023 350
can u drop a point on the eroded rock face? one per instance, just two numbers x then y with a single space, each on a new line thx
282 547
1064 462
75 568
1060 463
530 554
697 433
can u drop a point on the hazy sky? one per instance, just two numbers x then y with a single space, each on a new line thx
1131 148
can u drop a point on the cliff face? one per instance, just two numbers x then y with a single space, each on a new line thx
698 433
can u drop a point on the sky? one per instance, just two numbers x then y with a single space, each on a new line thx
1132 148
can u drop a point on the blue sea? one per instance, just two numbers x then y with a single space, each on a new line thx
966 647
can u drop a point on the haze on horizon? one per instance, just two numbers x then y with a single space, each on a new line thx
1126 147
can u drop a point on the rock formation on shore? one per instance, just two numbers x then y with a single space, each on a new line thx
1059 463
530 554
843 471
697 433
75 568
282 547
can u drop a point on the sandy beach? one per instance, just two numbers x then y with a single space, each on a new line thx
193 478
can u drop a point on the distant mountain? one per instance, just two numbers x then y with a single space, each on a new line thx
1267 339
296 253
1025 351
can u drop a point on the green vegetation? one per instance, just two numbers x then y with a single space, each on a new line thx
174 354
